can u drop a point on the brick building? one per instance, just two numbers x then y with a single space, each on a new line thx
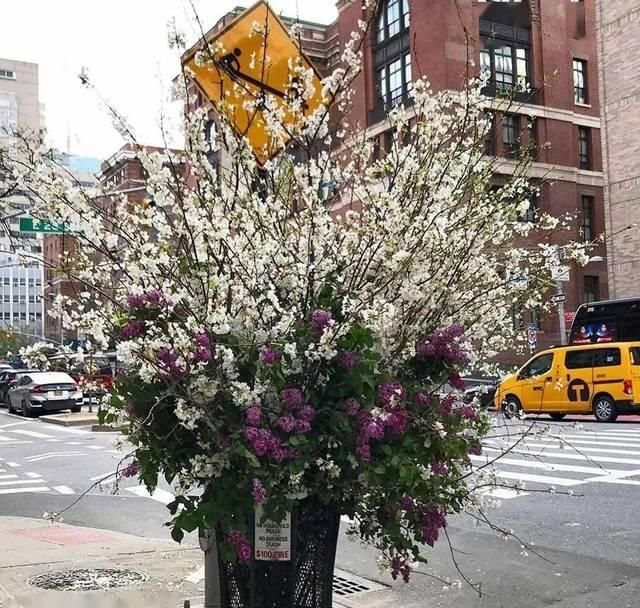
549 44
619 48
121 174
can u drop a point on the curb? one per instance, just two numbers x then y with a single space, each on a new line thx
104 428
67 421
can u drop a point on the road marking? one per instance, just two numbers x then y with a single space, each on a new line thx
596 436
24 490
33 434
624 482
64 489
549 454
160 495
54 455
3 438
547 466
103 476
33 475
503 493
577 449
8 477
114 452
11 483
614 444
73 442
95 447
53 440
545 479
6 426
13 464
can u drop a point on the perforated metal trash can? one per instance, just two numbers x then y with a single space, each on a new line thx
303 582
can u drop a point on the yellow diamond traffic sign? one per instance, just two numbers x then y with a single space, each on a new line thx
251 64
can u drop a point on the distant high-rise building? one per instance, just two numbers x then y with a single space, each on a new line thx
21 268
619 47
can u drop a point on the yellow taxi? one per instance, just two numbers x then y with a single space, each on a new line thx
598 379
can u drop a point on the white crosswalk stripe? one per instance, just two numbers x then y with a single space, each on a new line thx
160 495
564 460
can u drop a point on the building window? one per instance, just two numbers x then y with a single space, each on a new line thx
23 281
38 315
38 282
31 282
392 53
32 299
507 65
510 143
587 218
580 81
490 135
6 281
8 112
6 297
584 144
15 299
15 282
7 74
591 289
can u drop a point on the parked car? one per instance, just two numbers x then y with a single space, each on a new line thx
8 378
482 388
86 371
39 392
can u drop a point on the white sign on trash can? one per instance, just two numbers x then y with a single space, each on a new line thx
272 539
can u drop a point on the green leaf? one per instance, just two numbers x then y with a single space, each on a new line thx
177 534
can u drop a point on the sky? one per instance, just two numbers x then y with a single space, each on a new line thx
124 46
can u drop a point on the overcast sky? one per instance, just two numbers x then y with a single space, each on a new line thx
123 43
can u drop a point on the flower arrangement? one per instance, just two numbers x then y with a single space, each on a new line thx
284 343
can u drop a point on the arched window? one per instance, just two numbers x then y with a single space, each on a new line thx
392 53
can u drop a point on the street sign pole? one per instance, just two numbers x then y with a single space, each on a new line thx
560 299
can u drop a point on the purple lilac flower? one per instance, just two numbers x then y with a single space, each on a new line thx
432 520
292 398
408 504
320 320
202 340
260 440
307 413
240 543
423 400
475 449
303 426
446 405
397 421
364 451
447 344
352 407
400 567
253 415
258 492
135 301
169 359
155 297
440 468
390 392
269 355
133 329
131 470
287 423
202 355
373 430
467 412
456 381
348 360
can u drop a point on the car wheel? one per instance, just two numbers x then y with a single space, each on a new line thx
9 406
26 410
75 410
604 409
511 407
557 416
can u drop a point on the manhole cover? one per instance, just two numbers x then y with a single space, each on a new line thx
87 579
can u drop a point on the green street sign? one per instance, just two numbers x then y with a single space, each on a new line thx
29 224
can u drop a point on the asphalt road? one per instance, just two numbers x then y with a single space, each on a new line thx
579 550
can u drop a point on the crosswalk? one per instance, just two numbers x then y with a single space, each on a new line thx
557 459
14 480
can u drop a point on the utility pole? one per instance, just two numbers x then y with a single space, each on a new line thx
561 320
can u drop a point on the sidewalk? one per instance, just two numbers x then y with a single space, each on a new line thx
32 547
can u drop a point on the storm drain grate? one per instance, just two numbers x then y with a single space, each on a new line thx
345 583
342 586
86 579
